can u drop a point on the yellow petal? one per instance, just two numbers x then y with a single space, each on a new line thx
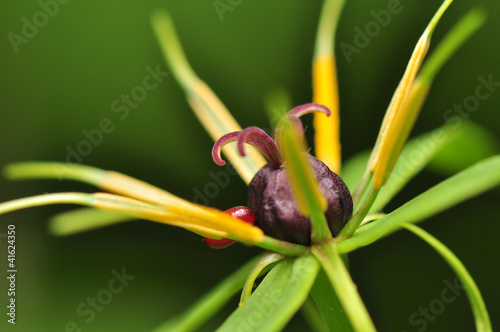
128 186
181 210
327 129
325 87
143 200
205 221
401 114
211 112
411 110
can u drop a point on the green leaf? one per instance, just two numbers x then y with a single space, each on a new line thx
341 281
263 263
469 145
460 187
210 303
86 219
453 40
305 187
481 316
415 156
403 109
277 103
328 305
278 297
448 150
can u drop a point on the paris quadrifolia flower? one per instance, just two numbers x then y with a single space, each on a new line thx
306 211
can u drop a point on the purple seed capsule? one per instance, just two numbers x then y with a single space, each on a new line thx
276 212
270 196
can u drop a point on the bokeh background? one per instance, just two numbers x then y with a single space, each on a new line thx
64 79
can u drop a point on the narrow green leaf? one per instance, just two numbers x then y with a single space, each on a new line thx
341 281
456 189
310 200
403 109
277 103
53 170
283 247
277 299
479 310
360 214
459 34
328 305
471 144
447 149
415 156
210 303
86 219
422 84
264 261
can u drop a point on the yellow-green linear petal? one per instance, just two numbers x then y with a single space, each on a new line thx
211 112
159 205
399 113
325 87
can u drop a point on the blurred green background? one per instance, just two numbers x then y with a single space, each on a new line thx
64 78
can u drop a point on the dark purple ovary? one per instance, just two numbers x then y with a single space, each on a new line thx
276 213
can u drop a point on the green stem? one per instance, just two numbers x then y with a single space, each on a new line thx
320 230
353 224
262 263
361 188
344 287
460 33
283 247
